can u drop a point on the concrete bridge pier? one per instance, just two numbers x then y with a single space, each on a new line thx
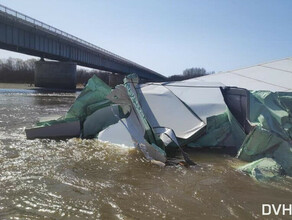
51 74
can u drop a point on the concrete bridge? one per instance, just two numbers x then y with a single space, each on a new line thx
23 34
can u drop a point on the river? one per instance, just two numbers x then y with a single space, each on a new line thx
87 179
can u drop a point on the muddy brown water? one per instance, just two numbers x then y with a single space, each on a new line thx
87 179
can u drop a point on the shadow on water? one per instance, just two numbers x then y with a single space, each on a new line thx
88 179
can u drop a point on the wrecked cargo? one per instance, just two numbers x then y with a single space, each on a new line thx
162 119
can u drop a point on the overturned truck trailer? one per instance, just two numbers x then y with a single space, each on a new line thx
162 118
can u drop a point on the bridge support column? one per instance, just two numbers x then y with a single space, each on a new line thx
115 79
50 74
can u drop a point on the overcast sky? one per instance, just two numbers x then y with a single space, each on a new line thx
169 36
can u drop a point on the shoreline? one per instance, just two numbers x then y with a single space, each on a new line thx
29 86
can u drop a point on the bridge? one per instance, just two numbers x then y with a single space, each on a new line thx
23 34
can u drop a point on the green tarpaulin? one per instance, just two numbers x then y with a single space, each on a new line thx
258 123
270 114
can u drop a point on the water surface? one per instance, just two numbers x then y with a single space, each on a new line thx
87 179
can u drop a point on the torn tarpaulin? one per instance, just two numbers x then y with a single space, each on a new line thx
162 117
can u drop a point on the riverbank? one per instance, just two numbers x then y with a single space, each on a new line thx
17 86
29 86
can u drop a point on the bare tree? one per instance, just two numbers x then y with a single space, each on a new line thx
189 73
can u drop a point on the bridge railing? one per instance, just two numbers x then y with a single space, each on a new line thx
10 12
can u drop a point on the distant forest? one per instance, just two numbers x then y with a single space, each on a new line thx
189 74
15 70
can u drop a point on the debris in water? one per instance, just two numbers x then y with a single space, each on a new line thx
161 118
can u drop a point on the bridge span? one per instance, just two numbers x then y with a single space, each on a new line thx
23 34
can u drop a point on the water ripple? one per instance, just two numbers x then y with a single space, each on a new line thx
89 179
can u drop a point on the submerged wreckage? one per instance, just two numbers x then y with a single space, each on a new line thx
161 118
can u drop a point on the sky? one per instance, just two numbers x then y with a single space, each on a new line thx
169 36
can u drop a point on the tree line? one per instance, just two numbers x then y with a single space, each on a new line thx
189 74
17 71
13 70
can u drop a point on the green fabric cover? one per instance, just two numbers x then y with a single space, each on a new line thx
283 155
91 99
262 169
270 114
257 144
272 111
222 130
